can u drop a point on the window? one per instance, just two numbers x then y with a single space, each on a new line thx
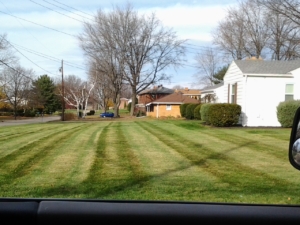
289 92
233 93
168 107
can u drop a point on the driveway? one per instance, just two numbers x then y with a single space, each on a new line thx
29 121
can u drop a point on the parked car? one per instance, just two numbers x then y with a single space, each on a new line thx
107 114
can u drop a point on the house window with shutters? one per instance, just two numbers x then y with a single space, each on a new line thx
233 93
289 92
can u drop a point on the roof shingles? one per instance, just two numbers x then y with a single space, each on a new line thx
267 67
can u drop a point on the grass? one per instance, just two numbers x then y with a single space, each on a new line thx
147 160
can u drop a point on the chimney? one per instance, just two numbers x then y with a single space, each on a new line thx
186 88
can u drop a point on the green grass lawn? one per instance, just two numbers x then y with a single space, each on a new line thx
147 160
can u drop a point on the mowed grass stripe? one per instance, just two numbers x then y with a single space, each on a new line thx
13 144
156 157
272 146
254 150
245 178
18 163
69 161
251 151
16 159
168 170
116 167
7 133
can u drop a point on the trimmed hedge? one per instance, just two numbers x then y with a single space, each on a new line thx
183 109
286 112
224 114
189 111
204 112
197 114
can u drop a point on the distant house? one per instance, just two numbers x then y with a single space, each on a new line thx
168 105
123 103
150 95
211 94
258 86
192 93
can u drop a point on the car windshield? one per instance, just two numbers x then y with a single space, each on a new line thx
149 100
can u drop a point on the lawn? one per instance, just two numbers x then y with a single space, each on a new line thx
147 160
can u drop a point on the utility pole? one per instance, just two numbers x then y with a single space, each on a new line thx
61 69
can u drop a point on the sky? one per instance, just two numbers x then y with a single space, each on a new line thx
44 32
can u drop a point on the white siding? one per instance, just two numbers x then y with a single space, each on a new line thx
265 95
234 75
219 92
296 74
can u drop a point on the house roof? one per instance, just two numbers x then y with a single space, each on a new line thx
157 90
267 67
211 88
175 98
188 91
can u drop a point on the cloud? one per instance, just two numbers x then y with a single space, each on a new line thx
190 21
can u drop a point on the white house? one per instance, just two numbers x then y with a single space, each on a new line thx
258 86
213 94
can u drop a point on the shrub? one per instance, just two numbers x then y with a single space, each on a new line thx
189 112
92 112
204 112
197 115
286 112
129 106
183 109
69 116
29 113
224 114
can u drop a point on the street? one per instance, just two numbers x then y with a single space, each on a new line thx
29 121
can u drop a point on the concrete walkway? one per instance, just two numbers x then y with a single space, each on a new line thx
29 121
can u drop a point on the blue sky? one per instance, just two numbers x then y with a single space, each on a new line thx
43 31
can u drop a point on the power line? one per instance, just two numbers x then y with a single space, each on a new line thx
48 56
72 8
68 10
30 59
55 11
24 26
39 24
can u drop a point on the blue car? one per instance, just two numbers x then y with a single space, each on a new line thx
107 114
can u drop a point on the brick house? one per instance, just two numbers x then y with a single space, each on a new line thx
169 105
150 95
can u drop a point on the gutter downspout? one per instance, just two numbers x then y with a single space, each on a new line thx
245 101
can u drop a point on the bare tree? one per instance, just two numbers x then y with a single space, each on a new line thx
7 56
74 92
141 46
230 35
284 36
287 8
256 28
208 63
16 83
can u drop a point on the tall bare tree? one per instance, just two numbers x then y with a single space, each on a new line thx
230 35
284 36
256 27
7 56
74 91
16 83
142 47
208 63
287 8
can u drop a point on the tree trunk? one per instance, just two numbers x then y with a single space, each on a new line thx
133 101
